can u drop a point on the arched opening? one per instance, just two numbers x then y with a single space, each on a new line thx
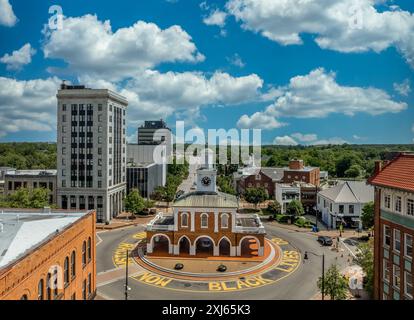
160 244
249 246
204 246
184 245
224 247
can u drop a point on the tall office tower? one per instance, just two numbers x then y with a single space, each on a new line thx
91 150
155 132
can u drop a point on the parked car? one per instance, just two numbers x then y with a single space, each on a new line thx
325 240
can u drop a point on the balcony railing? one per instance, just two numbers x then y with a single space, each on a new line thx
154 225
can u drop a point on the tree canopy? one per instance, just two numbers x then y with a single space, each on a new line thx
295 208
367 216
255 195
335 284
25 198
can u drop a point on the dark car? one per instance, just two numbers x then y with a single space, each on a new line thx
325 240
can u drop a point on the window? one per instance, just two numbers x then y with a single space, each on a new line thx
99 107
63 183
41 290
84 253
64 150
397 240
100 129
66 271
396 275
410 207
49 287
351 208
184 219
224 221
341 208
408 244
398 204
408 287
63 172
204 220
386 271
63 117
64 107
55 283
63 129
89 249
258 177
387 201
73 264
330 207
84 290
89 284
387 236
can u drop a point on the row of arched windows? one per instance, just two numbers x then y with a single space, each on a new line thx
204 220
69 273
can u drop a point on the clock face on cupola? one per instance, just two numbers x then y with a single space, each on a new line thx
206 180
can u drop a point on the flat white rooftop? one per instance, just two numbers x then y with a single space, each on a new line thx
23 230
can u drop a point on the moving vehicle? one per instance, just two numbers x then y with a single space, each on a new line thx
325 240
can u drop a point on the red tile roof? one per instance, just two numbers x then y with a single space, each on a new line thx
399 173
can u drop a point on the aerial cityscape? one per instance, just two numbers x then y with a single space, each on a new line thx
186 151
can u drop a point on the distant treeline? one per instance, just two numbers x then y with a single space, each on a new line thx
28 155
339 160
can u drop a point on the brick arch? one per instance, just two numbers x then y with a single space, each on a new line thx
239 246
224 238
162 235
179 240
204 236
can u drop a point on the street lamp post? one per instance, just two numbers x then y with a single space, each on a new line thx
126 275
323 269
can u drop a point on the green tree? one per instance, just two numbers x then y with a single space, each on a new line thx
225 185
365 259
274 207
39 198
345 162
134 202
334 284
353 172
367 216
19 199
295 208
255 195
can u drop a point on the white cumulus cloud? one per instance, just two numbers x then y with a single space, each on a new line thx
403 88
7 16
90 46
309 137
216 18
285 141
18 58
27 105
318 95
341 25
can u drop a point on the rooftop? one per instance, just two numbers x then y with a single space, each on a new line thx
22 230
207 200
398 173
350 192
31 173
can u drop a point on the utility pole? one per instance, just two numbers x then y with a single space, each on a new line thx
323 276
126 275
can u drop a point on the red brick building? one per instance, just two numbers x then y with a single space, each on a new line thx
206 222
394 228
47 256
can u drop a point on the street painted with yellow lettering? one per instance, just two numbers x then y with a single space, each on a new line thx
119 257
289 263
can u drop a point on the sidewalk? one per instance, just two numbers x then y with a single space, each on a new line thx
329 233
122 222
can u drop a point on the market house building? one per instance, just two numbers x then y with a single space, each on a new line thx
394 228
206 223
47 255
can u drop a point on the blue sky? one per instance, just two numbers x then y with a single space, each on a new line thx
226 65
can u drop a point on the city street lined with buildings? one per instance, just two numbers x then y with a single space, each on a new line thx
294 283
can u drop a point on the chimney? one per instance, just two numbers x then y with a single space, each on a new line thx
378 166
296 164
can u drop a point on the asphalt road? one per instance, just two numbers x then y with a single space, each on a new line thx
300 284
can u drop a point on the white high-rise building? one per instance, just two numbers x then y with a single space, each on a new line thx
91 150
